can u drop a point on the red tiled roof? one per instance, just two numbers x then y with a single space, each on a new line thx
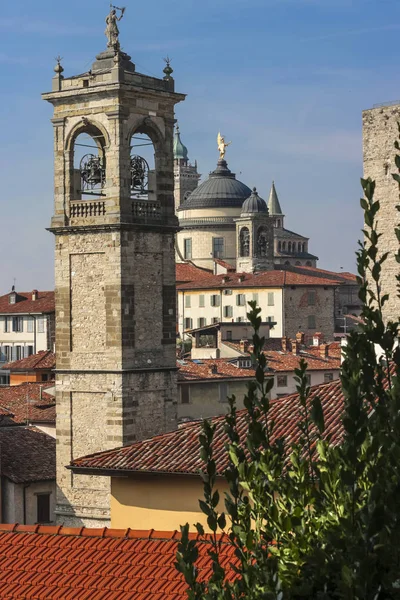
189 272
179 451
45 359
260 279
194 371
43 304
287 361
27 403
343 276
65 563
224 264
27 454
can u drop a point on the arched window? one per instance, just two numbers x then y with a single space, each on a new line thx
284 246
308 263
278 223
263 242
298 263
244 242
299 246
143 179
304 247
279 246
290 247
88 178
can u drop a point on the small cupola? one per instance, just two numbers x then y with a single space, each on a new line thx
180 150
254 204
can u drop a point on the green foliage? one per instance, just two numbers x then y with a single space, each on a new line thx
313 520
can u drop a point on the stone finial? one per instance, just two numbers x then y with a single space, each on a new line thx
58 68
168 69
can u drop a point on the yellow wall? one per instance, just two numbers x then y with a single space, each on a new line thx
158 502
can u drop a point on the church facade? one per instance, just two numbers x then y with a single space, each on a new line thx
208 215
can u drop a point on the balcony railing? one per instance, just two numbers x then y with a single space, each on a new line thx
86 209
146 210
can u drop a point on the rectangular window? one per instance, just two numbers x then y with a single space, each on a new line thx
311 322
240 299
271 299
6 324
308 379
30 323
228 311
311 298
215 320
30 350
17 324
187 248
201 301
240 319
201 322
7 353
255 297
43 508
328 377
187 301
223 392
188 323
215 300
218 247
41 325
185 394
229 336
281 380
19 352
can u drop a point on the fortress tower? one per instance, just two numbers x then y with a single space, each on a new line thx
115 268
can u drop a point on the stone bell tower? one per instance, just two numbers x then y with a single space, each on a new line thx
115 270
255 236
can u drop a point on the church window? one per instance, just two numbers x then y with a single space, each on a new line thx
263 242
187 248
244 242
271 299
218 247
89 161
278 222
299 245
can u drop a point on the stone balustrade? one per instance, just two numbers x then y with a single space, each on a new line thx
85 209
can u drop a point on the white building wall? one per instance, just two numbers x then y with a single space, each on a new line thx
34 333
196 311
316 377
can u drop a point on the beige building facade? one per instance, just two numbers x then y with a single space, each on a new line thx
115 272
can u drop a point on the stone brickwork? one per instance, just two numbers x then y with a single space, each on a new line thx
302 305
379 134
115 278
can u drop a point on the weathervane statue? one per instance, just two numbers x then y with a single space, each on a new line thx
222 145
112 31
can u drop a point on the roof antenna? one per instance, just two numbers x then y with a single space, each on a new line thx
13 287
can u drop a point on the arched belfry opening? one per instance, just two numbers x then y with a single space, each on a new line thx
143 185
88 159
244 242
263 242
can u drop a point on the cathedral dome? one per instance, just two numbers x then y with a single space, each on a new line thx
254 204
221 189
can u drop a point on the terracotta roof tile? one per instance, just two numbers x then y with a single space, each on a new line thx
120 565
275 278
190 370
43 304
45 359
178 451
29 402
27 454
189 272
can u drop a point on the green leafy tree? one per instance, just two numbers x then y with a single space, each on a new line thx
313 519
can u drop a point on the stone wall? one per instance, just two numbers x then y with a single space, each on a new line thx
297 311
379 134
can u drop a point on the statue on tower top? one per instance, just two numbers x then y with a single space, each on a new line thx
222 145
112 31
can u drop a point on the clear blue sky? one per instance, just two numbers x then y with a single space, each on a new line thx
285 80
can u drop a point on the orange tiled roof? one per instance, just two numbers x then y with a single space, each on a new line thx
286 361
24 305
194 371
189 272
27 402
344 276
45 359
178 451
27 455
64 563
260 279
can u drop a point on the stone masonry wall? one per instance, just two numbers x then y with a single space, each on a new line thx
379 134
297 310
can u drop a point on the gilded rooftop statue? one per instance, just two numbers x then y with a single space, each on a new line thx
112 31
222 145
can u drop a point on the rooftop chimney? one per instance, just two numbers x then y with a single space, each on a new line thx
35 295
244 345
295 347
213 369
317 338
300 337
285 344
324 351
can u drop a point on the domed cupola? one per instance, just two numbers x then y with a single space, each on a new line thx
180 150
221 189
254 204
